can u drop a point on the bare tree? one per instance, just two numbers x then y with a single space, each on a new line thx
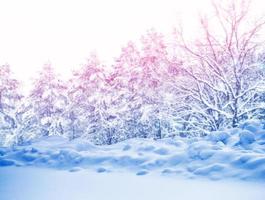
222 79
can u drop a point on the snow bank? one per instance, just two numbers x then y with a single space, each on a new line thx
235 153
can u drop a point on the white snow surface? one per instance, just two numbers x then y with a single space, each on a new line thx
27 183
227 164
230 154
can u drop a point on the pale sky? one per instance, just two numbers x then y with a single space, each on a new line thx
33 32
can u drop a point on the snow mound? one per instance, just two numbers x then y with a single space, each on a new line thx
235 153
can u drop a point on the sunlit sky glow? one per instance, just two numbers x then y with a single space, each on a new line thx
64 32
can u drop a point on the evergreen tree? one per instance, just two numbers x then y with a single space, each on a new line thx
9 102
43 112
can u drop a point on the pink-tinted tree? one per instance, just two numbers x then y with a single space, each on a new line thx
43 111
222 77
141 79
86 93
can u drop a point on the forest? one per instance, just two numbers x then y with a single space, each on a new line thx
162 86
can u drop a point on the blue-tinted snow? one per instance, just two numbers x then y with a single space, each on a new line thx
28 183
236 153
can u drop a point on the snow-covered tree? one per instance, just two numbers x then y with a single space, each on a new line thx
222 79
9 103
141 81
86 90
124 84
43 111
160 72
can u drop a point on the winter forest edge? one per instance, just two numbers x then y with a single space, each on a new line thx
160 88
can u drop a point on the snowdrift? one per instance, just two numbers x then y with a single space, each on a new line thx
236 153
